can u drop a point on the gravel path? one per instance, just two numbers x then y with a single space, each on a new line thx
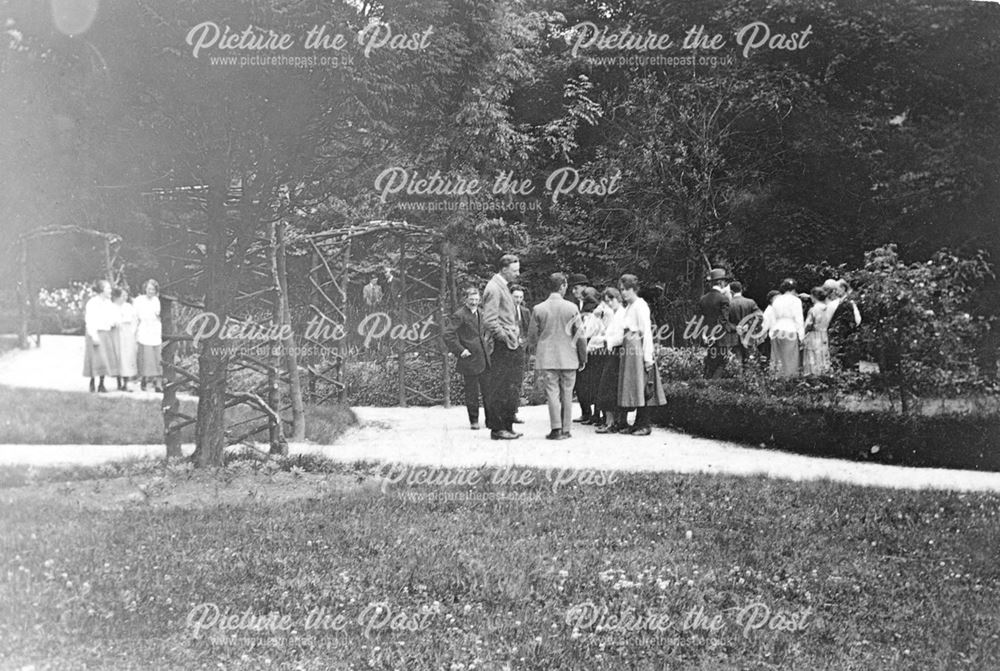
440 437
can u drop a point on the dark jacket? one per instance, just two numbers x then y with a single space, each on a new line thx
842 322
464 330
741 307
714 309
525 320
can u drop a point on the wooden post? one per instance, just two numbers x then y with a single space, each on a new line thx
401 344
170 404
342 343
442 315
275 434
108 270
22 295
291 358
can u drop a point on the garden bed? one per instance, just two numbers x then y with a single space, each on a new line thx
967 441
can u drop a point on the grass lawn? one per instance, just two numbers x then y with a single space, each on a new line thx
26 417
850 578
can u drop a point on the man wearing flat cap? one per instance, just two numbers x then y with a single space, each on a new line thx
719 333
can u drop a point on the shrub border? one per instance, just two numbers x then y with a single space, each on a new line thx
941 441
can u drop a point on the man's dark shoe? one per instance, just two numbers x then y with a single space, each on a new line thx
641 431
555 434
502 435
605 429
582 420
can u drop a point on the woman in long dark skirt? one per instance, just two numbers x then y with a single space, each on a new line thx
610 344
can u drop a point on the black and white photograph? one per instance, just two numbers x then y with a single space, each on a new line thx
499 335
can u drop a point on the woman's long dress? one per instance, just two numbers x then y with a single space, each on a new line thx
611 347
100 355
149 336
637 351
816 352
127 352
787 332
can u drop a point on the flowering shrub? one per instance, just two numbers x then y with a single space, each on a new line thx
66 299
917 324
681 363
65 306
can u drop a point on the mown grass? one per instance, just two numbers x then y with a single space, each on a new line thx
46 417
894 579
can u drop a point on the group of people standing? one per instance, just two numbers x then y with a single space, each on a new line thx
599 345
793 336
123 337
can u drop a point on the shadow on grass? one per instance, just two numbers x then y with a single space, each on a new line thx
46 417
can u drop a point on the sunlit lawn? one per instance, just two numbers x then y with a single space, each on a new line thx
875 579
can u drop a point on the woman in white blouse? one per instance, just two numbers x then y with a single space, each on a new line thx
639 385
125 338
610 344
787 331
100 355
149 334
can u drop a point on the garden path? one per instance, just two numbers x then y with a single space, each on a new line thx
441 437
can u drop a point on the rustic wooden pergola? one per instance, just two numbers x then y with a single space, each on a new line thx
262 293
426 289
27 293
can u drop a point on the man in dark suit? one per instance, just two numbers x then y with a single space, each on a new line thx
845 320
577 282
505 347
523 317
717 331
741 309
463 336
559 354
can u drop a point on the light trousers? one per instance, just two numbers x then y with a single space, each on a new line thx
559 394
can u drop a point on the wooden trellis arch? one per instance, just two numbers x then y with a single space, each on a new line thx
27 295
426 289
261 291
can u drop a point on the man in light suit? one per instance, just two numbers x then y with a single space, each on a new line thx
559 354
463 336
505 348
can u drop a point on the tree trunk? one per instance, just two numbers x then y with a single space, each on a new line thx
212 366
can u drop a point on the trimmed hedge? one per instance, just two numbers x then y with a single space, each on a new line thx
942 441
